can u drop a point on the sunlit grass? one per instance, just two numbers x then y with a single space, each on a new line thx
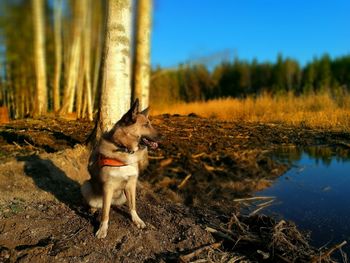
315 111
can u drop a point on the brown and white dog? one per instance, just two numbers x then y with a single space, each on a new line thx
114 165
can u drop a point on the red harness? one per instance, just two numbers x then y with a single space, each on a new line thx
105 161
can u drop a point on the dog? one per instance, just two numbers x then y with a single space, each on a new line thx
115 163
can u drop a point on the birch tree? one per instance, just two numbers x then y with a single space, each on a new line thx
87 62
116 89
73 59
141 74
58 53
97 37
39 57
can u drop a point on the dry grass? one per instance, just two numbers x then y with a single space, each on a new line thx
315 111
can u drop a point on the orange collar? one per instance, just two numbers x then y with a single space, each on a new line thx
105 161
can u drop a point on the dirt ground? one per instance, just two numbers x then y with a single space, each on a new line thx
185 196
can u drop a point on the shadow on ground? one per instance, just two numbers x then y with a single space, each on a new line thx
50 178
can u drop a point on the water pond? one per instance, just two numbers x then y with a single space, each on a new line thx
315 192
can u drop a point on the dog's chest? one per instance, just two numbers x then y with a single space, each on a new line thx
119 176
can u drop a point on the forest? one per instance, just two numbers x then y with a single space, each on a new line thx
72 41
72 63
240 78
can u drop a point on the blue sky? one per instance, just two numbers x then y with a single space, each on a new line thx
184 30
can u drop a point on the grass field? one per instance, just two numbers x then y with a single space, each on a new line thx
315 111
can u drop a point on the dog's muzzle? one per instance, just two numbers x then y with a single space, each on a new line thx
152 144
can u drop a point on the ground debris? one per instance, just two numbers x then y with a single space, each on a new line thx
261 238
189 196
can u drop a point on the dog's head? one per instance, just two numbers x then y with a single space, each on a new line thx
138 126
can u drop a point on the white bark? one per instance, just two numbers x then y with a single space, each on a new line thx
97 36
116 90
39 53
142 52
80 91
74 60
58 53
87 61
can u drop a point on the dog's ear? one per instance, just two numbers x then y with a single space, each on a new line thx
135 108
145 112
130 117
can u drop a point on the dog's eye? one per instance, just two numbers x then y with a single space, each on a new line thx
146 125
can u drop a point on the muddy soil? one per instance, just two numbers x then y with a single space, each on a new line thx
201 166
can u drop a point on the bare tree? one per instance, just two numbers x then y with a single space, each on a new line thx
116 90
87 62
74 58
97 38
39 60
141 74
58 53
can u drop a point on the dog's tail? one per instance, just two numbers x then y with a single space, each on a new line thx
95 200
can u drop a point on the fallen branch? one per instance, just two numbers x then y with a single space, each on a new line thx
166 162
327 253
219 234
17 145
234 220
255 198
195 156
156 157
188 257
266 203
184 181
261 207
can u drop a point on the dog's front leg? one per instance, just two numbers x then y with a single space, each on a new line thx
106 205
130 191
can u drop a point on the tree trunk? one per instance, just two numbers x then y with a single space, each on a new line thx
39 53
116 90
98 33
141 74
73 60
87 61
58 53
80 91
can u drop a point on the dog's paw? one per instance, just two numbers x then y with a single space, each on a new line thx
139 223
137 220
102 231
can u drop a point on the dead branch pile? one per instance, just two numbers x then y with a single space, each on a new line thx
258 238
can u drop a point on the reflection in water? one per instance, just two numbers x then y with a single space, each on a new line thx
320 153
315 192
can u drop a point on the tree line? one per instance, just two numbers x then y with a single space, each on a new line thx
241 78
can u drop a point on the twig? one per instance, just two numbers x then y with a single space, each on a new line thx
219 233
184 181
166 162
261 207
216 228
344 256
156 157
195 156
234 217
255 198
17 145
188 257
328 252
31 145
266 203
